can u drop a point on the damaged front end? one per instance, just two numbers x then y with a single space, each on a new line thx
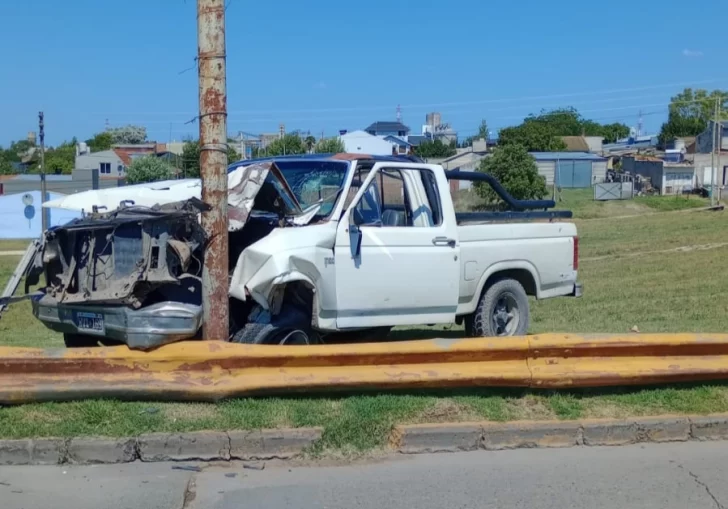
133 275
130 276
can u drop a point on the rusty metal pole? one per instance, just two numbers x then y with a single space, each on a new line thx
213 165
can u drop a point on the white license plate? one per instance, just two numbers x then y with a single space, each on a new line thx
91 323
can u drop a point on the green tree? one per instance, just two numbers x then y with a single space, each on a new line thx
60 160
128 135
482 133
330 146
435 149
6 167
148 169
288 145
689 113
191 158
534 136
541 133
310 142
516 170
100 141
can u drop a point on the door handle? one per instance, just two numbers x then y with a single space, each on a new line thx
443 241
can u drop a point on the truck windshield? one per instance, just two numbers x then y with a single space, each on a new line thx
315 181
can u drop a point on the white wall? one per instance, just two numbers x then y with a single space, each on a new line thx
20 221
361 142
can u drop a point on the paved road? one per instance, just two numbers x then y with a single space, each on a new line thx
651 476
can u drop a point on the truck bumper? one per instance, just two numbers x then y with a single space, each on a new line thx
578 290
149 327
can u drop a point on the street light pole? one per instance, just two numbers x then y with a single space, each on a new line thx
213 165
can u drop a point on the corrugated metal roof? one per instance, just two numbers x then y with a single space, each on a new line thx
566 156
49 178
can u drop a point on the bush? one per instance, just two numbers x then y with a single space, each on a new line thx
516 170
148 169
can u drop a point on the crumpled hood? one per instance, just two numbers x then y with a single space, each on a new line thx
261 186
286 254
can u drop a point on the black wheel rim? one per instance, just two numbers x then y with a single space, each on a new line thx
505 316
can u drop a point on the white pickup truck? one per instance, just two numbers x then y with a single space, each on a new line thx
319 246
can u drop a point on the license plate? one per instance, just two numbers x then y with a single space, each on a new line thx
92 323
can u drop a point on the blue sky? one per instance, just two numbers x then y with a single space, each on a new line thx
328 65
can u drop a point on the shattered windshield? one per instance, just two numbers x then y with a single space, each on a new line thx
315 181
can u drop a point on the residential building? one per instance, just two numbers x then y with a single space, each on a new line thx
593 144
108 162
666 178
387 128
361 142
400 145
705 142
571 169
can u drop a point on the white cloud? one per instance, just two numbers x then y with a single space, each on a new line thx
320 85
691 53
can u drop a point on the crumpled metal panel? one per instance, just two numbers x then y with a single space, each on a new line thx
210 371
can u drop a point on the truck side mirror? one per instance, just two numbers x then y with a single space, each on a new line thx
355 240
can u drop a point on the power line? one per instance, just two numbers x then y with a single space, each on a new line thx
441 104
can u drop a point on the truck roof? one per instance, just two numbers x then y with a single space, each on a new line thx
328 157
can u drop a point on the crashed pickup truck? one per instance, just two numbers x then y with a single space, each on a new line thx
319 247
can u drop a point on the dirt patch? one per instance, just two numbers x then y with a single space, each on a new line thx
446 410
606 410
529 407
187 412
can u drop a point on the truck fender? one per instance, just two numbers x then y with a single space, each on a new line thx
505 267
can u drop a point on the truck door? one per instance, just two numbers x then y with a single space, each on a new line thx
397 250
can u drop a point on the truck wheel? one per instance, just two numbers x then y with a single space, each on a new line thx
79 341
290 327
502 311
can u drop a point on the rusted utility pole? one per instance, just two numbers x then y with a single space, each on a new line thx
213 165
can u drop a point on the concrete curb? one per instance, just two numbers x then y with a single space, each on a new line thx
408 439
196 446
428 438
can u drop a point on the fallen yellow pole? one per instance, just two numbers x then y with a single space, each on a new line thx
209 371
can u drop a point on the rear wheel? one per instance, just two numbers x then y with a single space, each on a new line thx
79 341
502 311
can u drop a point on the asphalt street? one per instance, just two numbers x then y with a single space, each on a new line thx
646 476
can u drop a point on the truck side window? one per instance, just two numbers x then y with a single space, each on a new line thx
387 201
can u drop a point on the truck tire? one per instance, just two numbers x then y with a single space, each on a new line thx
502 311
79 341
291 327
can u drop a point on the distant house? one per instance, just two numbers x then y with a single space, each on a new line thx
591 144
387 128
108 162
571 169
400 145
112 163
702 156
361 142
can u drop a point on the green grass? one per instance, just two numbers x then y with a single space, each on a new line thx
18 326
14 245
581 203
634 271
353 424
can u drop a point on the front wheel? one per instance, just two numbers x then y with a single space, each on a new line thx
502 311
291 327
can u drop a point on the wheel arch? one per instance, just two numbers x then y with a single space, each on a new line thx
521 270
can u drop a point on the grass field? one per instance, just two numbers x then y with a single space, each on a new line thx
663 272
